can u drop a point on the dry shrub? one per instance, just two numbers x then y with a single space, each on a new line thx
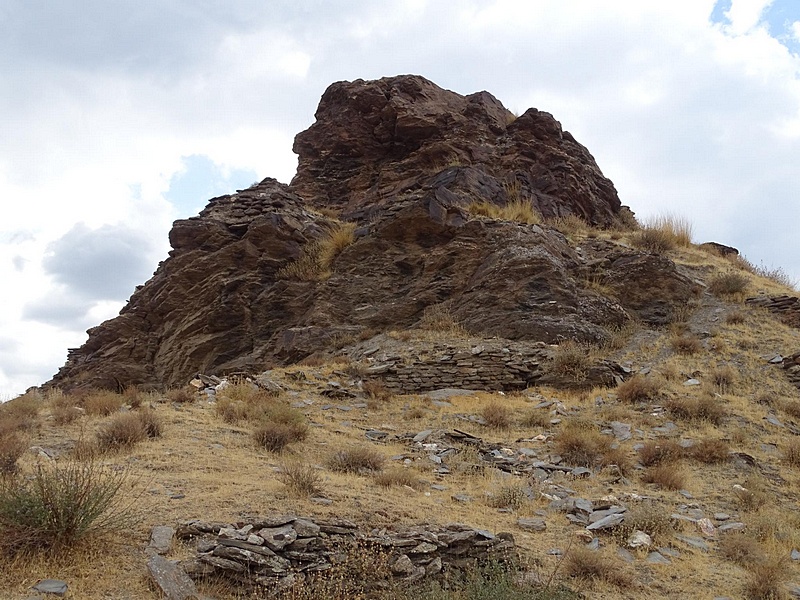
791 452
245 402
151 422
571 360
438 318
728 284
12 446
752 495
301 480
122 431
659 452
581 444
316 257
668 476
677 228
765 580
724 378
62 504
19 413
133 397
513 496
396 477
102 403
64 415
275 436
652 518
590 565
517 209
741 549
497 415
376 390
569 224
686 344
705 408
536 418
710 451
639 389
654 241
183 395
735 317
361 460
790 407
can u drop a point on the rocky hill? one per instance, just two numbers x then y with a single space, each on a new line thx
392 180
443 363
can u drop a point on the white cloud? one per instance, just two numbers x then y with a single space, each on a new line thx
746 15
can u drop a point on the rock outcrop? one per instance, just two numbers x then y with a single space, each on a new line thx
246 286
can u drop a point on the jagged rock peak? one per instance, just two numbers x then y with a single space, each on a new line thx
374 140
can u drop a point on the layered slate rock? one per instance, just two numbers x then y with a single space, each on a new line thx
401 159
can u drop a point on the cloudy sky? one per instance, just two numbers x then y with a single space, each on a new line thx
121 116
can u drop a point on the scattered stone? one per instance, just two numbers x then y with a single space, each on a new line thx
160 540
732 526
625 555
52 586
656 558
721 516
795 555
694 542
622 431
692 381
462 498
686 494
608 522
639 539
532 524
173 582
706 527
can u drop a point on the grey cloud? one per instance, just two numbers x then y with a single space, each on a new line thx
19 263
100 264
59 310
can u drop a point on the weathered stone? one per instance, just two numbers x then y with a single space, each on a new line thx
161 539
173 583
277 538
532 524
608 522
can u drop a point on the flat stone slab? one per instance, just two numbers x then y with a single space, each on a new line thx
170 579
52 586
161 539
532 524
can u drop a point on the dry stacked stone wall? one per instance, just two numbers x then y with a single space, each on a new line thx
785 307
487 366
277 552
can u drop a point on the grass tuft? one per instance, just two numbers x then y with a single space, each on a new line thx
396 478
639 389
301 480
12 446
275 436
668 476
497 415
766 580
360 460
589 565
728 284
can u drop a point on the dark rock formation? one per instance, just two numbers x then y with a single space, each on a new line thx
244 289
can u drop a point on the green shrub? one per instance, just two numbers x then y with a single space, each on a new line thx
61 505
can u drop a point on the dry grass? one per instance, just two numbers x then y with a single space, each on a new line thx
659 452
765 580
12 446
710 451
686 344
724 378
517 209
581 444
668 476
275 436
728 284
736 317
397 477
741 549
752 495
677 228
245 402
498 416
301 480
317 257
536 418
569 224
125 430
183 395
639 389
376 392
512 496
791 452
594 566
102 403
705 408
361 460
571 360
651 517
438 318
64 415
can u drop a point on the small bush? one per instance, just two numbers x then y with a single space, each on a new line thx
650 517
686 344
677 228
102 403
360 460
438 318
741 549
497 416
317 256
710 451
536 419
12 446
728 284
639 389
151 422
122 431
184 395
61 505
735 317
518 210
332 245
791 453
666 476
376 390
752 495
582 445
64 415
660 452
571 360
513 496
590 565
301 480
569 224
790 407
245 402
654 241
724 378
275 436
396 478
766 580
705 408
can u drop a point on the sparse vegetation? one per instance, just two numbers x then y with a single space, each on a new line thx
741 549
571 360
765 580
361 460
102 403
376 391
650 517
513 496
659 452
710 451
728 284
516 208
497 415
439 318
581 444
12 446
723 378
60 505
686 344
183 395
706 408
594 566
569 224
668 476
274 436
791 452
301 480
639 389
396 477
316 257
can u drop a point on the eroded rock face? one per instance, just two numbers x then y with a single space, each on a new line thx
373 140
220 302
